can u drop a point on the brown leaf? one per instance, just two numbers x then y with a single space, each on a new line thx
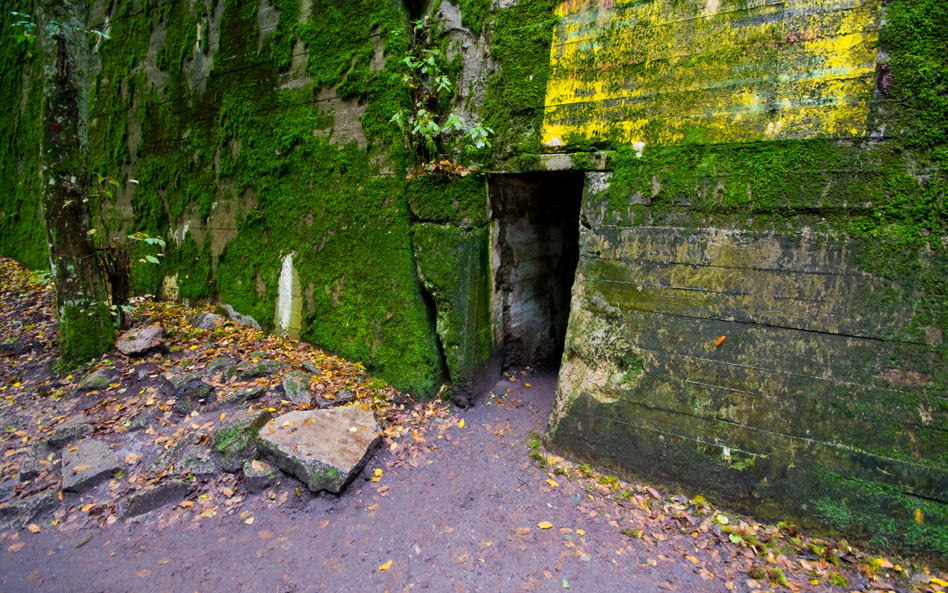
530 585
81 468
16 547
668 586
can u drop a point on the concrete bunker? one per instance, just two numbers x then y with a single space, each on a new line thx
535 250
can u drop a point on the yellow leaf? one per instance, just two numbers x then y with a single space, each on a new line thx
544 525
580 532
249 521
386 566
193 348
815 582
34 528
692 559
918 516
527 384
553 483
195 426
87 508
223 414
939 582
112 519
81 468
461 423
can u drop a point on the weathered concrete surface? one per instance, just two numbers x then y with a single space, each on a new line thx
138 342
87 464
821 392
326 449
153 498
236 437
296 385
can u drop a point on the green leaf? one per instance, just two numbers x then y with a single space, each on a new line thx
565 584
735 539
152 259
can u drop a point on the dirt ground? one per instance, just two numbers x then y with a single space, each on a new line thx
453 500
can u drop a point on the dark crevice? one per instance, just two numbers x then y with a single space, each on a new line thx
416 9
432 308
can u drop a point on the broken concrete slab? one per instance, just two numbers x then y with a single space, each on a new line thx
15 515
97 379
139 341
192 396
68 432
326 449
296 385
218 365
242 396
260 475
169 457
154 498
88 464
236 437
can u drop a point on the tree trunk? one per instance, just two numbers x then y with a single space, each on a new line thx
85 322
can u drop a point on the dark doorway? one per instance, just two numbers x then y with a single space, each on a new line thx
536 249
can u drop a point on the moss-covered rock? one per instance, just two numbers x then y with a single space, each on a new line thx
235 437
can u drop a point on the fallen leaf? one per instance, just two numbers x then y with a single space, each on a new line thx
386 566
143 573
565 582
461 423
552 483
223 414
112 519
16 547
544 525
249 521
256 465
87 508
33 527
668 586
81 468
131 458
264 534
186 504
692 559
580 532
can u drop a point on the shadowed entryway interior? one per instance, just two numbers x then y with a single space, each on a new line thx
535 243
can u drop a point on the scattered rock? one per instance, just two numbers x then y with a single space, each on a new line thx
179 380
17 514
242 396
192 396
197 462
143 419
167 458
264 368
206 320
139 341
31 467
235 437
326 449
296 385
260 475
68 432
97 379
154 498
312 368
90 463
218 365
343 397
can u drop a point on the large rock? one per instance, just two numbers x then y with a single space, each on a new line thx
33 463
235 437
139 341
170 455
296 386
154 497
264 368
87 464
196 462
69 431
326 449
17 514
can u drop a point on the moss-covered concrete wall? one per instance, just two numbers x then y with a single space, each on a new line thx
760 304
772 173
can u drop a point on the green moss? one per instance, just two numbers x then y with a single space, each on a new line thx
84 333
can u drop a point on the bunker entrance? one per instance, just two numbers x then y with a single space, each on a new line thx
536 250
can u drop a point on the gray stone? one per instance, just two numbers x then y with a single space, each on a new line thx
264 368
31 467
97 379
206 320
218 365
326 449
142 419
168 458
197 462
97 461
312 368
15 515
235 437
296 385
259 478
261 354
343 397
154 498
179 380
242 396
192 396
67 433
137 342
